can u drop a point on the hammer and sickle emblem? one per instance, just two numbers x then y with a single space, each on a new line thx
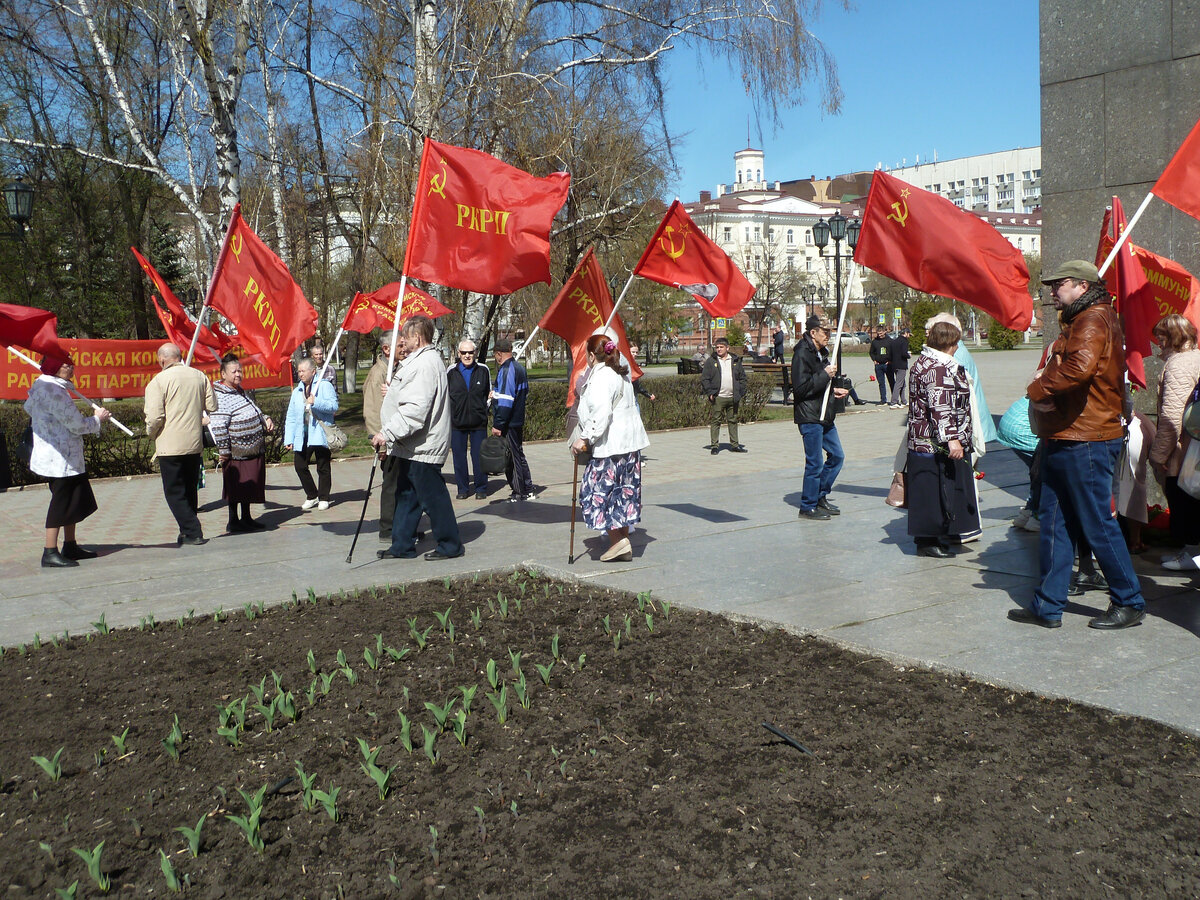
669 247
900 209
235 244
437 182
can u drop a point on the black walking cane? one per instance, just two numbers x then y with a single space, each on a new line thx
366 500
574 497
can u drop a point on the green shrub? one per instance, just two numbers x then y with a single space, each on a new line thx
923 311
1001 338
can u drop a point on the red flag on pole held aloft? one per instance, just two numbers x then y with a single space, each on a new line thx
378 308
29 328
180 327
1179 184
582 306
1127 281
927 243
479 224
254 290
681 255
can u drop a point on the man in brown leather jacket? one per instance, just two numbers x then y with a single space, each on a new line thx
1076 404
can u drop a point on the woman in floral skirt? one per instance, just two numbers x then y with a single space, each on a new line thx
610 427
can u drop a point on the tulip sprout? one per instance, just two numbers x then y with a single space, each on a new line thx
328 801
93 866
51 766
193 835
119 741
172 741
168 871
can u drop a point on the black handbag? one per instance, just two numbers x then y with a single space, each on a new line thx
494 455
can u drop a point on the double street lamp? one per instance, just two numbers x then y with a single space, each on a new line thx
840 229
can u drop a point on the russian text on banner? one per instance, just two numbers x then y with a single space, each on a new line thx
681 255
927 243
479 224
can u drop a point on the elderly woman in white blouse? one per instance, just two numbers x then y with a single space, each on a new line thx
58 429
610 426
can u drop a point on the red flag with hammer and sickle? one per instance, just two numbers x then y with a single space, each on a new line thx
176 322
378 308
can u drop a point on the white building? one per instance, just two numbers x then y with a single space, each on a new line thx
1007 181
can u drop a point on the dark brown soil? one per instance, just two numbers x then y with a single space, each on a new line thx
643 772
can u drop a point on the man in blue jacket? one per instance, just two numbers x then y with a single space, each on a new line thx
508 418
469 384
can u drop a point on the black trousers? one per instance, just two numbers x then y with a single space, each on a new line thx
301 460
389 468
517 470
181 483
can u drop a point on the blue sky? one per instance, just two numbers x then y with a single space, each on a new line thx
919 76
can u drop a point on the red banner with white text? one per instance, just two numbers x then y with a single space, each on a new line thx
118 369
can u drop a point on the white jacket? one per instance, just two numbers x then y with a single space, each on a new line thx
416 411
58 427
609 419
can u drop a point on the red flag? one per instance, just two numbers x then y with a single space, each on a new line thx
582 306
479 224
378 308
926 242
33 329
1134 296
254 289
1179 184
180 327
681 255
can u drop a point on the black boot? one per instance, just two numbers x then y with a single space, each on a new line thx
52 559
233 525
72 550
249 524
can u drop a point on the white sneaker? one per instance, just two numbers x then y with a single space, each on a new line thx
1181 563
309 504
1022 518
323 505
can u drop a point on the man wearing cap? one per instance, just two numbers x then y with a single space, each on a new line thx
508 418
723 381
812 372
1077 402
176 400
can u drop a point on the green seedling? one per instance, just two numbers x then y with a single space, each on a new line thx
468 696
341 658
368 754
421 637
491 604
433 848
493 676
450 635
306 785
20 649
311 694
607 626
579 663
93 866
259 690
119 742
381 777
522 690
444 618
278 682
396 655
98 757
312 596
268 711
371 659
616 640
172 742
286 705
642 599
544 671
500 701
193 835
476 618
440 713
101 626
178 624
460 726
405 732
502 601
250 612
168 870
482 824
514 658
446 582
554 648
326 681
650 623
249 824
350 675
430 744
219 615
379 645
512 807
628 625
49 850
666 609
68 893
517 603
328 801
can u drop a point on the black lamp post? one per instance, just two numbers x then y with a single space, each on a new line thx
839 228
872 305
18 199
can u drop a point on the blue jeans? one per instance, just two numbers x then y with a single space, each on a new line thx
1076 506
419 486
458 446
885 378
823 458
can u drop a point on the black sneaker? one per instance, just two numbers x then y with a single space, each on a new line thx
816 514
715 450
461 495
738 448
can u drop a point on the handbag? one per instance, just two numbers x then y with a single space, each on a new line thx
334 436
1189 469
207 436
897 494
494 454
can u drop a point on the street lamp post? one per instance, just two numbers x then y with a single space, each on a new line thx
840 229
18 201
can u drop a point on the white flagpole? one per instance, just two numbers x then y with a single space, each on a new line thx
396 328
1124 235
196 333
838 337
72 389
328 356
624 291
529 340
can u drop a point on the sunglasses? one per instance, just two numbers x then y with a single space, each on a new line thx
466 352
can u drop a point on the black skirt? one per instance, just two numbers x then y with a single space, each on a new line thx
1185 512
941 496
71 500
245 480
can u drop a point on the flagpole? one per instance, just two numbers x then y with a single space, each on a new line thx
837 341
72 388
624 291
396 326
212 282
529 340
196 333
1124 235
328 356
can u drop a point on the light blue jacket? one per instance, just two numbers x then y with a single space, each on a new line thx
323 409
963 357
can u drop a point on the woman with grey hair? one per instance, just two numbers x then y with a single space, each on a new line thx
240 430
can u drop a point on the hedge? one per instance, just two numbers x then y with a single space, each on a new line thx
678 404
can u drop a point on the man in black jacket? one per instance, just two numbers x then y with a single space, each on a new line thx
881 349
823 457
898 368
723 381
469 384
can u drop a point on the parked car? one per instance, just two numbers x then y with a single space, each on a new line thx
863 337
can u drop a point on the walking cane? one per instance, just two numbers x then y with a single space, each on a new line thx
363 515
574 498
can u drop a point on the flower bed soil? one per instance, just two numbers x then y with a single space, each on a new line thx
645 772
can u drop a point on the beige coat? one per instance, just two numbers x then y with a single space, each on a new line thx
372 398
176 400
1180 373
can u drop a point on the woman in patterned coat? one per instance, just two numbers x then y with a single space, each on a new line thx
240 428
941 490
610 494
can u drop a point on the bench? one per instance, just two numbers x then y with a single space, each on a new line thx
687 366
782 370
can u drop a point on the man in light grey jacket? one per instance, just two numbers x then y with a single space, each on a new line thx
415 421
